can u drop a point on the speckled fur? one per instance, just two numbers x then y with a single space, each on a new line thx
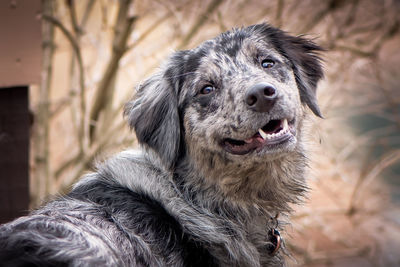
183 200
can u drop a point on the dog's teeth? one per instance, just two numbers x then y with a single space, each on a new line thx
263 134
285 124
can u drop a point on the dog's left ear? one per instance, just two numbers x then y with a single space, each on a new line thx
153 114
303 54
307 68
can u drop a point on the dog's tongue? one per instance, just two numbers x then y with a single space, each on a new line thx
255 139
249 144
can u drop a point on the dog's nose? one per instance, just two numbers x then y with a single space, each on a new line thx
261 97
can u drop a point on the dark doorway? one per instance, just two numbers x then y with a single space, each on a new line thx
14 153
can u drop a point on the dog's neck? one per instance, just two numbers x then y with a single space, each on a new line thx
250 197
268 186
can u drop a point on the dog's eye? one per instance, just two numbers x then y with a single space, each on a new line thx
267 63
207 89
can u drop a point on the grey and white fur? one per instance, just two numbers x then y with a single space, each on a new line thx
207 185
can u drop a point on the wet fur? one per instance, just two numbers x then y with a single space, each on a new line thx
182 200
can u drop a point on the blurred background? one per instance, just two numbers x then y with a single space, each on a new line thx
94 52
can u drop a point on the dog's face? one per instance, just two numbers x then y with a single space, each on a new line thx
241 99
239 96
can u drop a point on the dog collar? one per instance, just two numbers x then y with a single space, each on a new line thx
276 241
274 237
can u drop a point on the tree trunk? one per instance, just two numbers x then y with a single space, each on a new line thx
41 177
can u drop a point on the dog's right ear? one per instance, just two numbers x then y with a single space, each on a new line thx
153 114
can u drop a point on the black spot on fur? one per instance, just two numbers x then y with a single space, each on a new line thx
212 162
175 74
231 96
203 100
283 75
202 104
192 63
239 119
234 128
213 107
205 104
230 44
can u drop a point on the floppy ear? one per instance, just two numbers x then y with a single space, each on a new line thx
153 114
306 63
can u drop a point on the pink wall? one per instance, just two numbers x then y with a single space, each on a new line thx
20 42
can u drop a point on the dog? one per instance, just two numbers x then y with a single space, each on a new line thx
222 155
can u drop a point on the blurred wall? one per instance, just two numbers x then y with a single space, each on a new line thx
20 54
20 45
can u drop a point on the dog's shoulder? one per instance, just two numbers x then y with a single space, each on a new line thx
105 220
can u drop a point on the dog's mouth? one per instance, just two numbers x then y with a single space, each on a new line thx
274 133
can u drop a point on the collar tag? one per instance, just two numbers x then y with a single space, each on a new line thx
276 240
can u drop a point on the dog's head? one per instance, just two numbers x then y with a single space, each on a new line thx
240 95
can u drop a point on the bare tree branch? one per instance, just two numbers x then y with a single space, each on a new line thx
279 12
72 14
317 18
390 100
202 19
42 120
84 161
123 28
85 16
77 51
374 51
78 30
155 25
371 173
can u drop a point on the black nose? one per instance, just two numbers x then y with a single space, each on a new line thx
261 97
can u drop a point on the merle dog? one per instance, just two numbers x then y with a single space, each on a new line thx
220 127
